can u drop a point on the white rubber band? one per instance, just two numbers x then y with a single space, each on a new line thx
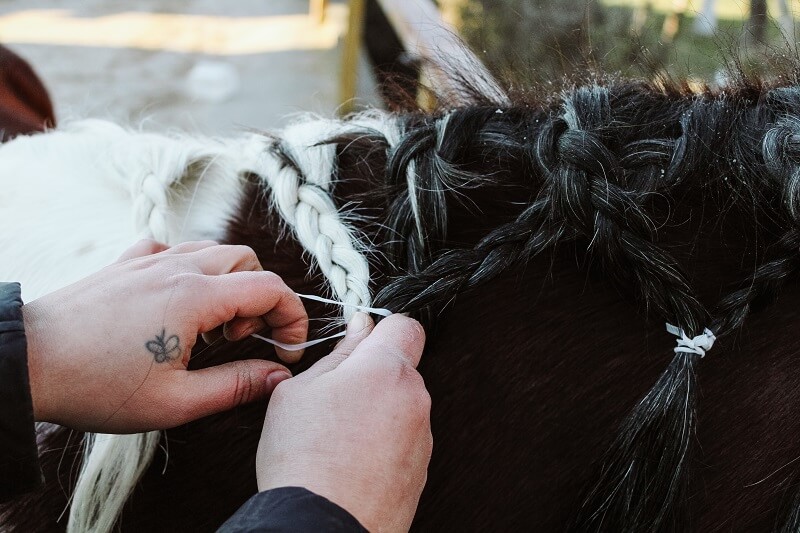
300 346
698 345
371 310
304 345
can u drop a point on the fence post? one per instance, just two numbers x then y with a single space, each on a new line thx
317 9
352 46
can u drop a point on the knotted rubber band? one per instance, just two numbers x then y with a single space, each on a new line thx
698 345
304 345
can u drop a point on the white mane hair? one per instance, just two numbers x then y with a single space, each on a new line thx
79 195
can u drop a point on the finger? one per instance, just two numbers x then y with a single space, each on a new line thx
242 327
191 246
210 337
223 259
396 335
141 249
358 329
219 388
255 294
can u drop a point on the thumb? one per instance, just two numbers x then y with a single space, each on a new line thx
358 329
223 387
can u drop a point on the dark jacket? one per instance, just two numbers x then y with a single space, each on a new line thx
19 462
285 509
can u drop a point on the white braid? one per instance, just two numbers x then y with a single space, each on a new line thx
150 205
161 180
303 198
183 188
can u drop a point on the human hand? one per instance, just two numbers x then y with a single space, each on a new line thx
110 352
355 428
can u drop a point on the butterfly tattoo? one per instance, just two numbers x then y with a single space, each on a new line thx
164 348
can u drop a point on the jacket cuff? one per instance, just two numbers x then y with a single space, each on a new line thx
290 510
19 462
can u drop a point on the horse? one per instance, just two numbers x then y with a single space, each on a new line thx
25 105
544 239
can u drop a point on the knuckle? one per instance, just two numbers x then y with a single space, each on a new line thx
409 326
424 401
420 396
244 252
245 386
396 371
197 244
282 392
148 245
271 277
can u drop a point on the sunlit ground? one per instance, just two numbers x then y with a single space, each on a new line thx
214 35
211 66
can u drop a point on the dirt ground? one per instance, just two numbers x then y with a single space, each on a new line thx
203 65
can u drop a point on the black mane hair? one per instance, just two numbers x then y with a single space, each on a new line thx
520 232
596 166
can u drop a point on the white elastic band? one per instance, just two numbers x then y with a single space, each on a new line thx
304 345
300 346
372 310
698 345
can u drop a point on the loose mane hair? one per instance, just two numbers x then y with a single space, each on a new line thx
543 240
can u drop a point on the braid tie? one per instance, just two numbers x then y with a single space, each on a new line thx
697 345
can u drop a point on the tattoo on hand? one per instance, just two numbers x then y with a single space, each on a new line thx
164 348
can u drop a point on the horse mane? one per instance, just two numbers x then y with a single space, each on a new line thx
435 213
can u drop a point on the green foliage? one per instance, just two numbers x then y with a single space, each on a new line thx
541 41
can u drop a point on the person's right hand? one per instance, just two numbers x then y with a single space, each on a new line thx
355 428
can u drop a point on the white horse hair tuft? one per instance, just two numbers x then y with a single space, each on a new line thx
112 466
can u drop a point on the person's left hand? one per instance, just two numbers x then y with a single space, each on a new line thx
110 352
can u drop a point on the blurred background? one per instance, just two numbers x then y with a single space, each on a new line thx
203 65
539 40
217 67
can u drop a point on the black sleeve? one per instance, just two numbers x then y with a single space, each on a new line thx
290 510
19 462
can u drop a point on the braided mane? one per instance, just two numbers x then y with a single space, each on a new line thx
613 200
598 163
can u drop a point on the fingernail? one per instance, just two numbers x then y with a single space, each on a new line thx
274 378
357 323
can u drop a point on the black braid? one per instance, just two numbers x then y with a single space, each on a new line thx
643 476
588 191
456 270
596 187
433 146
